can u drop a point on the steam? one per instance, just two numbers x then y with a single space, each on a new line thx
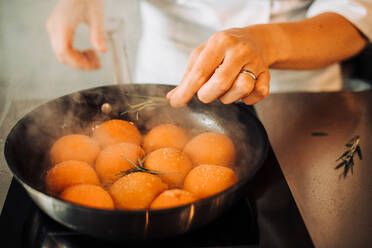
82 112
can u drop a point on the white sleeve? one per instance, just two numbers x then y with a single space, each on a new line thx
358 12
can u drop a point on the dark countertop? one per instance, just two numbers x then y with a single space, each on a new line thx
336 210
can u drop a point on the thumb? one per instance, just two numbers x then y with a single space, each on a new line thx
97 30
98 36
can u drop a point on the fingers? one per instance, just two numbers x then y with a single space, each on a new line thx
201 70
63 48
61 27
66 54
243 86
83 60
193 57
221 80
261 89
214 71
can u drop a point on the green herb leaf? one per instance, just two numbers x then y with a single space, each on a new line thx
347 157
359 152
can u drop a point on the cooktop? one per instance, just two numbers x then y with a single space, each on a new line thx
23 224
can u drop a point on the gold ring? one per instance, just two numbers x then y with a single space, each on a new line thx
245 71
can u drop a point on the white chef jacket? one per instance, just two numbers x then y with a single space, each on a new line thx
173 28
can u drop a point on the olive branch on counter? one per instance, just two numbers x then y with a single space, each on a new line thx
347 158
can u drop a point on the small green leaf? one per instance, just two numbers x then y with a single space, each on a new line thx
340 165
343 155
359 152
348 156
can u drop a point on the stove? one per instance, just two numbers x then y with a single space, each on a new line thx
23 224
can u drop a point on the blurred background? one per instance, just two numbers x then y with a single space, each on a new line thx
29 68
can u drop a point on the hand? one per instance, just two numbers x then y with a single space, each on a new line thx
215 66
61 25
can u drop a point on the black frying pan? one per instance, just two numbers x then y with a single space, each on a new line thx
27 154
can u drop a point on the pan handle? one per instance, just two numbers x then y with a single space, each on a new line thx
120 62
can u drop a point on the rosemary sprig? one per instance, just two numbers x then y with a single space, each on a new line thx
157 98
151 101
347 158
141 168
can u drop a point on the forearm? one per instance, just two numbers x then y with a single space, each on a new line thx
214 70
309 44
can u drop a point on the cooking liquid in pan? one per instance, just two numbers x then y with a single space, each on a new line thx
32 228
81 113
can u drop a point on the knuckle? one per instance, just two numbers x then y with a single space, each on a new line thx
221 77
243 48
245 87
268 75
245 52
222 86
223 37
194 53
199 74
262 91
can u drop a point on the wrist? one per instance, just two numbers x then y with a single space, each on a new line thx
271 41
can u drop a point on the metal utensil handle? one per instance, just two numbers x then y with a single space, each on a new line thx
120 61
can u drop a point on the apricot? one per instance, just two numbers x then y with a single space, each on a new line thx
136 190
206 180
114 159
88 195
74 147
172 198
165 135
69 173
172 163
116 131
211 148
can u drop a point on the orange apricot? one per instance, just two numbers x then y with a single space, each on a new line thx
165 135
114 159
74 147
173 164
172 198
206 180
211 148
117 131
88 195
69 173
136 190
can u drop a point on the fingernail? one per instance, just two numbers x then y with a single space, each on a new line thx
176 104
203 97
170 93
175 101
